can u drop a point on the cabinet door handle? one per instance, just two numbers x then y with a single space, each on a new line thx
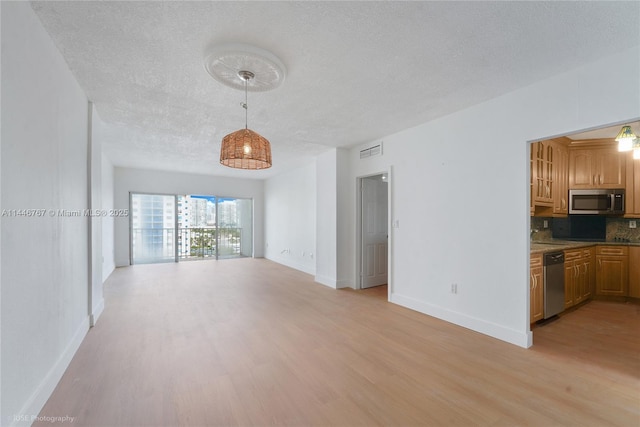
593 179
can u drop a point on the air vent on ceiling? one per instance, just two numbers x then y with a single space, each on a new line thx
375 150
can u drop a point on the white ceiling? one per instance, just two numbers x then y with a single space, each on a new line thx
357 71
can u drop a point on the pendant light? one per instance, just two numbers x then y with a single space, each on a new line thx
626 139
244 148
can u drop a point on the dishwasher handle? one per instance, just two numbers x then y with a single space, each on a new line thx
554 258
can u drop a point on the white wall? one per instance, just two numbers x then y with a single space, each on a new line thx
327 218
108 234
460 193
45 277
128 180
96 299
345 225
290 218
331 168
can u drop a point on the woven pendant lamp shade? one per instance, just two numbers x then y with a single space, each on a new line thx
234 65
245 149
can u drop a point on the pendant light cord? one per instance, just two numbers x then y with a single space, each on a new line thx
245 106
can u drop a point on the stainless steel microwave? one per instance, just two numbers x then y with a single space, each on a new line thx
596 202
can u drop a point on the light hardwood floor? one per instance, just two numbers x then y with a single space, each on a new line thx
250 342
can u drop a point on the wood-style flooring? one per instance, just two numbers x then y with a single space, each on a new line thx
249 342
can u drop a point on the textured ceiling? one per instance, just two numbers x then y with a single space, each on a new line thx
357 71
605 132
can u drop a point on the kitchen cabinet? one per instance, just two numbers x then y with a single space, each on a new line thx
536 288
550 177
612 274
602 167
561 190
579 276
632 193
570 277
634 271
542 174
585 281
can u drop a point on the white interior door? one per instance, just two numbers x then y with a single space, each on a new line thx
374 232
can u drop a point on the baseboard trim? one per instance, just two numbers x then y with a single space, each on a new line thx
478 325
36 402
341 284
294 265
327 281
97 311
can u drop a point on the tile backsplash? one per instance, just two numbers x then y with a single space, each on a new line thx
617 230
538 232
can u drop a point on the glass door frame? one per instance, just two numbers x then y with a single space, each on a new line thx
176 229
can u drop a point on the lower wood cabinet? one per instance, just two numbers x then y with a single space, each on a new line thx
612 272
536 288
603 270
634 271
579 275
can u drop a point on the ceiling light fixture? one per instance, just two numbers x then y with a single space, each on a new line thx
626 139
247 67
244 148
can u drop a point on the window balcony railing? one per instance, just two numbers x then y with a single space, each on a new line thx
160 244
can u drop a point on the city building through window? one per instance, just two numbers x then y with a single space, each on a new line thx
171 228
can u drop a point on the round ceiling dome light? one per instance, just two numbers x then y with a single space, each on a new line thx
225 62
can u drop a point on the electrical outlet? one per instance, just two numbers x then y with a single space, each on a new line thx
454 288
545 224
632 223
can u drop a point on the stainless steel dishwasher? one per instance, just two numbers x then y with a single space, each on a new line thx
553 283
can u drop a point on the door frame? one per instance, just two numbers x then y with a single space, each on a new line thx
358 227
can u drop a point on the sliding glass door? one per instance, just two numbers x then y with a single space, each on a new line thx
152 228
197 237
189 227
235 231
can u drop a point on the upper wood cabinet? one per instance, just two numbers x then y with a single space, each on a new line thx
542 173
632 194
561 190
597 168
550 177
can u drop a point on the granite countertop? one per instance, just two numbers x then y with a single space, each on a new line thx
539 247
